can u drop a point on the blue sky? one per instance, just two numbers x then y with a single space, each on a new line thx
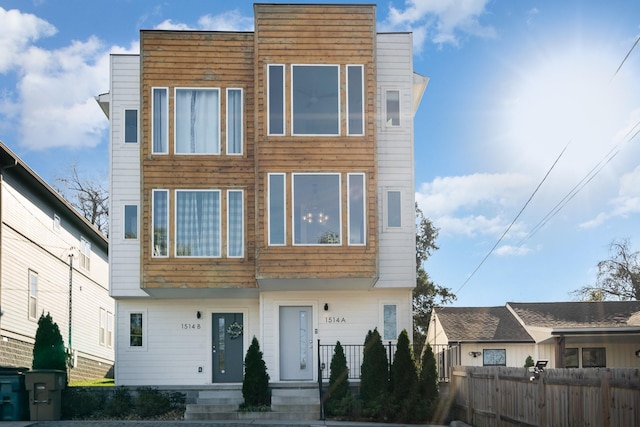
519 90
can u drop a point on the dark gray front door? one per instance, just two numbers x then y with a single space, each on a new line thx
296 343
228 355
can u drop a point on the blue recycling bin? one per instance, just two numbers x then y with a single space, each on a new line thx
13 394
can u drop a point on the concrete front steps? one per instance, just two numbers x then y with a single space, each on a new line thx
289 401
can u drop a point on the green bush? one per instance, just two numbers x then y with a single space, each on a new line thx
340 400
150 402
48 349
404 380
80 403
528 362
120 403
428 382
255 384
374 377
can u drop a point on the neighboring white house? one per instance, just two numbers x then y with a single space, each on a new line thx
52 260
296 141
566 334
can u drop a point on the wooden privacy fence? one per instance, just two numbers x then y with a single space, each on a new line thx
501 396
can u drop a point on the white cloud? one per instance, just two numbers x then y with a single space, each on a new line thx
228 21
19 30
626 203
168 24
440 21
509 250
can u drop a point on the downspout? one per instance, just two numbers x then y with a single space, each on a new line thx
15 163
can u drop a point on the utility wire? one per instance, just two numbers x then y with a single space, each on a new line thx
626 57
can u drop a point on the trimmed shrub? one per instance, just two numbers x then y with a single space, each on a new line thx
48 349
340 400
150 402
404 380
374 377
428 382
120 403
255 384
80 403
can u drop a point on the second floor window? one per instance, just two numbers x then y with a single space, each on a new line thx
198 223
316 209
159 120
130 126
160 222
234 121
315 100
197 121
33 294
85 254
130 221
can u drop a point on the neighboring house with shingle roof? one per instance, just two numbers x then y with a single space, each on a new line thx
567 334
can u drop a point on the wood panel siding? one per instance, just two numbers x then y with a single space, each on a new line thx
306 35
197 59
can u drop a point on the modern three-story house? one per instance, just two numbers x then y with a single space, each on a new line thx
262 184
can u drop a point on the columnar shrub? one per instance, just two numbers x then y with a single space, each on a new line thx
404 380
340 400
255 384
374 377
48 349
428 381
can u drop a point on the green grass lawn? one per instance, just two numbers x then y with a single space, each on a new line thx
100 382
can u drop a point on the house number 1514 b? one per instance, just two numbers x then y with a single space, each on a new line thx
190 326
334 319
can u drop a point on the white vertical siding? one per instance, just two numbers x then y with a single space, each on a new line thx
124 254
395 161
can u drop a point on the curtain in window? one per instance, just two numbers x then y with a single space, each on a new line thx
160 223
234 121
235 224
198 223
197 121
159 120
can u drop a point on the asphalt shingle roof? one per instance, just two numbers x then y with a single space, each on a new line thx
481 324
605 314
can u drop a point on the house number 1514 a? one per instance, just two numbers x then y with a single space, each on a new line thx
334 319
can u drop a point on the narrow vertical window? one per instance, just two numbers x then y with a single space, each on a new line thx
394 211
357 229
234 121
160 222
198 222
235 224
56 222
85 254
390 322
275 95
159 120
109 340
33 294
277 219
355 100
135 329
131 126
393 107
103 326
130 221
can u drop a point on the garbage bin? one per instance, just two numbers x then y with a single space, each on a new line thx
45 393
13 395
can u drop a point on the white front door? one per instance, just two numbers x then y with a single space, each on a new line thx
296 343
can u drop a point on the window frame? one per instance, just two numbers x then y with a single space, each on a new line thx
242 214
577 356
294 223
386 123
56 222
364 209
602 353
166 220
385 325
32 304
175 120
362 100
143 331
176 221
493 353
124 126
165 125
124 222
284 208
270 99
110 324
338 102
102 329
84 253
387 212
228 122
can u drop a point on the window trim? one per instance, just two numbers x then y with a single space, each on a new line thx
362 91
143 343
241 191
175 120
385 122
175 222
124 126
284 208
166 124
284 109
339 102
228 124
32 296
364 208
124 222
168 235
293 206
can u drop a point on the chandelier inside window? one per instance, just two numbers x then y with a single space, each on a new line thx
314 216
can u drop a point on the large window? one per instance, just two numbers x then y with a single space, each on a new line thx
494 357
356 208
130 221
130 126
197 121
316 209
198 223
594 357
33 294
275 94
85 254
235 224
277 217
315 100
234 121
355 100
159 120
160 223
136 330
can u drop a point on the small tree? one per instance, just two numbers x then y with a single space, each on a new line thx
255 384
404 379
340 400
374 377
528 362
48 349
428 382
